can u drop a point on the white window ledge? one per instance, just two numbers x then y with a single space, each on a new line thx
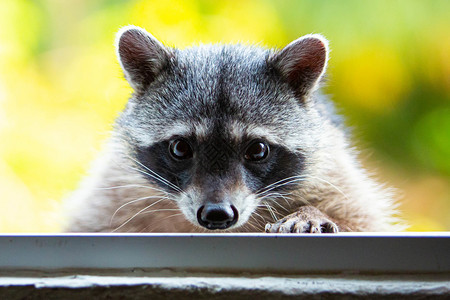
230 265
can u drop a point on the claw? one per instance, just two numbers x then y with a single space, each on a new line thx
315 227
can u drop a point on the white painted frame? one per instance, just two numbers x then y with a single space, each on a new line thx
387 253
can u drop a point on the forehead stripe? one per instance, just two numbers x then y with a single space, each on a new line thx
204 129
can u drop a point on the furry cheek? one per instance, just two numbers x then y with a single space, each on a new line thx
188 204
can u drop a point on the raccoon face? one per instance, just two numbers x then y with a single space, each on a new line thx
219 179
220 128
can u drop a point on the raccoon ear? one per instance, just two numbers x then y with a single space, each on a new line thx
141 56
302 63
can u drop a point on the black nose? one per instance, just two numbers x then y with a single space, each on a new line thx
217 216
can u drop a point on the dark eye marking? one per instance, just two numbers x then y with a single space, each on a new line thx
272 163
257 151
180 149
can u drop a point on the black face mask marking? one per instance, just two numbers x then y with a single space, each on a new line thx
216 155
280 164
218 160
158 159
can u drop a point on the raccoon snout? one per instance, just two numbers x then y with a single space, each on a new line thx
217 216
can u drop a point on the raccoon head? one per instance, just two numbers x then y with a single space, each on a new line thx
222 128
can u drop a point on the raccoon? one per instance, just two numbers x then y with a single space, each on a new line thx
229 138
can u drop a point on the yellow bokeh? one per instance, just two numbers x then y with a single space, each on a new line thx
182 23
373 77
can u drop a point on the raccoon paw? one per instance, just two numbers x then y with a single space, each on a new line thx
307 219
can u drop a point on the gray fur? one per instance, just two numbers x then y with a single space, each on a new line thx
229 92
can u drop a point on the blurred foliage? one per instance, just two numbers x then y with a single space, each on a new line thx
61 87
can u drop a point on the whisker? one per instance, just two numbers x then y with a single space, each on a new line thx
286 198
134 186
136 214
262 190
160 220
258 223
273 196
279 204
277 195
281 185
271 211
293 179
169 184
158 177
255 213
162 209
130 202
272 184
249 226
332 185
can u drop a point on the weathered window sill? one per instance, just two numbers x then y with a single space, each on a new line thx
225 265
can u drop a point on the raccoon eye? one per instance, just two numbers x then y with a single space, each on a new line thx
180 149
257 151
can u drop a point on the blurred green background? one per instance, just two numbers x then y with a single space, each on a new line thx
61 88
